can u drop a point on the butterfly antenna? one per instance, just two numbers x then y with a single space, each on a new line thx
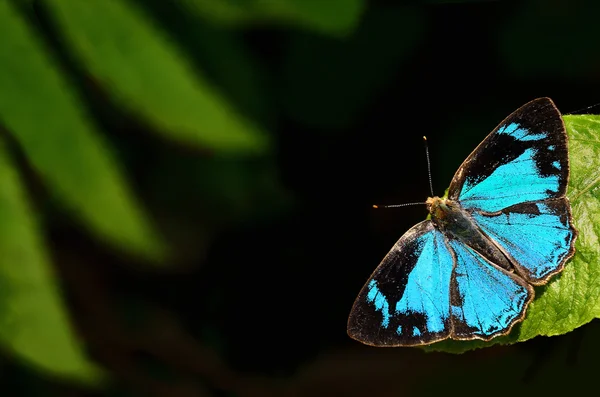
397 205
430 183
584 109
428 165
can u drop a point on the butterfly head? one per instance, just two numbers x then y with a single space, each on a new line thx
436 205
440 208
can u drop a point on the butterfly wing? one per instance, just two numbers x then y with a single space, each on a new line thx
538 237
514 185
524 159
406 301
429 288
486 299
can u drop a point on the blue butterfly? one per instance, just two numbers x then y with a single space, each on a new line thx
468 273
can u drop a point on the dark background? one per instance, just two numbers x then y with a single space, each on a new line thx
272 250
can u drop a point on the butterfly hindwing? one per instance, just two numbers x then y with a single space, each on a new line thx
486 299
406 301
538 236
524 159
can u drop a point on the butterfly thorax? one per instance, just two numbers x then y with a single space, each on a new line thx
449 217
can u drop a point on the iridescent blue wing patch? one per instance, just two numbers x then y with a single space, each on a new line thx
406 301
538 237
514 186
524 159
486 299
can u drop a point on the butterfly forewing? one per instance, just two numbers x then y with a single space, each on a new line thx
406 301
524 159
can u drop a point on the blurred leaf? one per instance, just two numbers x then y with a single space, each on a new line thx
41 111
531 45
33 321
571 299
336 17
145 73
327 83
224 56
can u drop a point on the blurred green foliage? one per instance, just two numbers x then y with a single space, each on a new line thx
42 112
336 17
144 72
33 322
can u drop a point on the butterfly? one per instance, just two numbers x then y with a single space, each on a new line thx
505 226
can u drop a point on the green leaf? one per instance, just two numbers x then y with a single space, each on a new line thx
572 298
33 322
335 17
328 82
147 74
41 111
